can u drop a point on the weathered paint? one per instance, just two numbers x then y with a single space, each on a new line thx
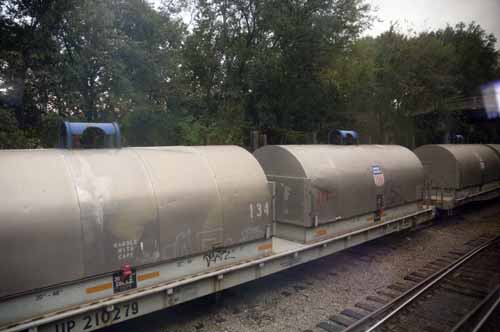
459 166
73 214
320 184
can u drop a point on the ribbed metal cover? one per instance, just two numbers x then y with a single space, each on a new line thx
495 147
69 214
328 182
459 166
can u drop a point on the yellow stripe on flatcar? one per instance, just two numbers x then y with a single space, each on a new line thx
99 288
147 276
321 232
265 246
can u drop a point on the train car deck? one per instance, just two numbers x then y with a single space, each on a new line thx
448 200
165 285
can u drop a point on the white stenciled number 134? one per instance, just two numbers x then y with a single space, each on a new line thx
257 210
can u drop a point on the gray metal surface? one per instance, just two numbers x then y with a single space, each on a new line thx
305 235
92 290
115 308
40 230
495 147
67 215
318 184
459 166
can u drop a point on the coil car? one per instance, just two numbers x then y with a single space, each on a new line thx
459 173
93 237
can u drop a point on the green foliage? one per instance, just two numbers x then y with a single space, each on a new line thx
267 57
476 56
399 86
150 128
88 60
286 67
119 56
49 129
29 55
11 137
157 128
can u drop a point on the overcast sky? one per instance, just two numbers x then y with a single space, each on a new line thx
421 15
431 14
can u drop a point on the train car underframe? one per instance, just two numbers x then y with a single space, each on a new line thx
99 302
450 199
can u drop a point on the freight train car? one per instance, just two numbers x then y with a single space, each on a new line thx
327 190
460 173
78 226
495 148
90 238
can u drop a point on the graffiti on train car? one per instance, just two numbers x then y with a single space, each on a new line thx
217 255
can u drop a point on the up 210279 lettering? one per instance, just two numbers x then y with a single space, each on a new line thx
99 318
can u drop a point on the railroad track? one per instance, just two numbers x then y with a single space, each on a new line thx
458 292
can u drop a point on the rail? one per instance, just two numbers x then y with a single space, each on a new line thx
477 317
383 314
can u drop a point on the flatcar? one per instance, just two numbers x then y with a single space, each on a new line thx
456 174
93 237
81 217
326 190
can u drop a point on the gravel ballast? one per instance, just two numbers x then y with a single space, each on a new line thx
298 299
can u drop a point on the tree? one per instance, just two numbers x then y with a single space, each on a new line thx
387 81
11 137
286 67
304 36
118 56
29 54
259 62
478 59
89 60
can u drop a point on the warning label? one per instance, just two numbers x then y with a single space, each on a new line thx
120 285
